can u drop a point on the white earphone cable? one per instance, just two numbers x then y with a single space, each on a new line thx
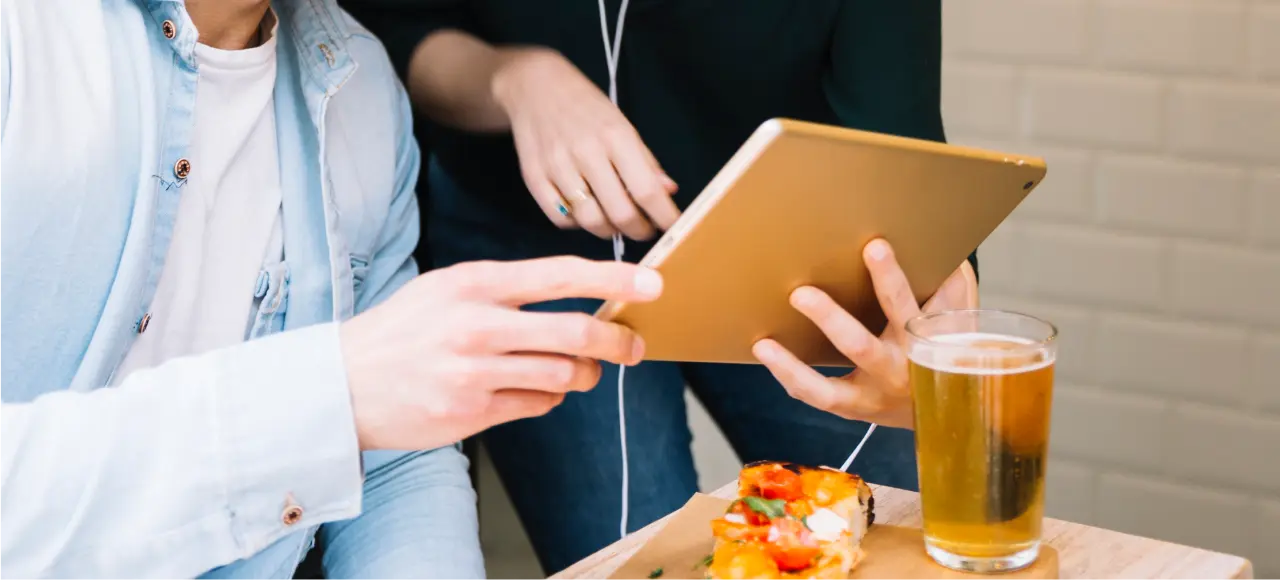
856 450
611 52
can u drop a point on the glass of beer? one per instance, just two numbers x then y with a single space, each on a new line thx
982 386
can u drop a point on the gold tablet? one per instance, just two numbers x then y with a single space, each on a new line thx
795 206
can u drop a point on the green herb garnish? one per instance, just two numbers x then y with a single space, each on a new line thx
655 573
771 508
706 562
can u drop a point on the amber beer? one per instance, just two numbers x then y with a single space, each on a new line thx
982 382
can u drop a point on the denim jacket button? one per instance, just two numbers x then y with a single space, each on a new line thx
169 29
182 168
142 324
291 514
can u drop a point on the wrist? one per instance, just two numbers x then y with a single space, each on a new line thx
285 430
512 66
353 362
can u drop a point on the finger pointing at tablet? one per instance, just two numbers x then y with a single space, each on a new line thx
527 281
877 389
451 353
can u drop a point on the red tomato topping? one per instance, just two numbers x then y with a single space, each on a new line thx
791 545
780 484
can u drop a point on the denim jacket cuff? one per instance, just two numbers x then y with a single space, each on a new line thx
287 436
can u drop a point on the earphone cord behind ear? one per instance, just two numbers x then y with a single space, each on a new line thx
611 52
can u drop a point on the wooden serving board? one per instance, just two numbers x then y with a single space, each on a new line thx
679 548
898 552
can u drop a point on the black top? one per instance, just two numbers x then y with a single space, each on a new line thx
695 77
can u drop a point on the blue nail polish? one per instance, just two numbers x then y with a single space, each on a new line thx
564 211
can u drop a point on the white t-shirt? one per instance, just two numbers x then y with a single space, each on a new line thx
229 222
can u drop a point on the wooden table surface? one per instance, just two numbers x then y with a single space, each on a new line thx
1084 551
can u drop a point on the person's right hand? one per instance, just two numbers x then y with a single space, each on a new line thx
583 161
451 354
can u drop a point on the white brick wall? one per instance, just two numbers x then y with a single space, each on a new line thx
1225 120
1264 204
1267 525
1093 108
1187 514
1264 41
1165 196
1170 35
1154 244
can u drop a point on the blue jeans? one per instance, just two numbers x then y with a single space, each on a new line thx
417 520
563 470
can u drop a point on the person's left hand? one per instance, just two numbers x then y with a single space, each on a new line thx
877 390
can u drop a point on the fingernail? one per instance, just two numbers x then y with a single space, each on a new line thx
803 297
765 351
637 350
648 283
878 249
668 182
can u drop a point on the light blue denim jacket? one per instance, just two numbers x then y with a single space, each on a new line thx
193 465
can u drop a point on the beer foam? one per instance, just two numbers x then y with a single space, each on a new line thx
948 352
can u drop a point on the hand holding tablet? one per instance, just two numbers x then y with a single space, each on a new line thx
877 391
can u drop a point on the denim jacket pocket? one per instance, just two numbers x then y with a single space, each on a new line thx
270 300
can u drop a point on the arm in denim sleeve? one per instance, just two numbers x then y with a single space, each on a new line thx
392 264
5 23
182 467
885 72
419 517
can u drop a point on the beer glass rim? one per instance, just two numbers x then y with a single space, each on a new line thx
914 323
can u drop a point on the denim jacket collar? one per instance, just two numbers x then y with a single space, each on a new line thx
315 29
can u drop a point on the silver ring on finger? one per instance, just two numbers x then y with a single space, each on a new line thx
577 196
581 194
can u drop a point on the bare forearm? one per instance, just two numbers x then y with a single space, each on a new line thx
456 79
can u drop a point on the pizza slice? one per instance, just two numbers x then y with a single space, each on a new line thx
792 522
